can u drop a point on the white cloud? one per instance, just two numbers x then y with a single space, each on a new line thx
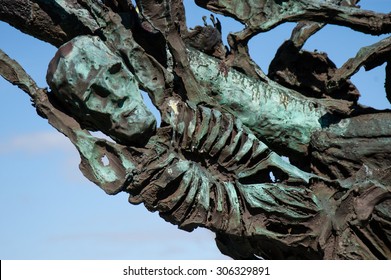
152 238
45 146
36 143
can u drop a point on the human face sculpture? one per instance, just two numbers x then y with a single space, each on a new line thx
99 91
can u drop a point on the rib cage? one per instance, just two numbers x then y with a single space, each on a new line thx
203 177
186 195
226 142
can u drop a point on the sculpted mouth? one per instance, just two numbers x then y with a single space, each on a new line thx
123 120
127 114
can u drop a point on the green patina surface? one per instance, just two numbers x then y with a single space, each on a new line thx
274 113
100 90
86 145
200 129
209 165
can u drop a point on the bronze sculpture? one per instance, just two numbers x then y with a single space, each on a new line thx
225 125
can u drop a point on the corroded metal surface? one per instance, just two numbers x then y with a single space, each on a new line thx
216 161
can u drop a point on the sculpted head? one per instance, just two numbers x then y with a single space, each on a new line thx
99 91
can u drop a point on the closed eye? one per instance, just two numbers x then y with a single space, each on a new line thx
115 68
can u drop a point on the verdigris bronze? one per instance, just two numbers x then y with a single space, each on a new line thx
98 89
219 158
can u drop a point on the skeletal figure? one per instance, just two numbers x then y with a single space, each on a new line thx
225 140
204 168
97 86
215 174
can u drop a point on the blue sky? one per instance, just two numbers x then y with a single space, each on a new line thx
48 210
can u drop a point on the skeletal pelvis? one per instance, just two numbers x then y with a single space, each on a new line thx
214 173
